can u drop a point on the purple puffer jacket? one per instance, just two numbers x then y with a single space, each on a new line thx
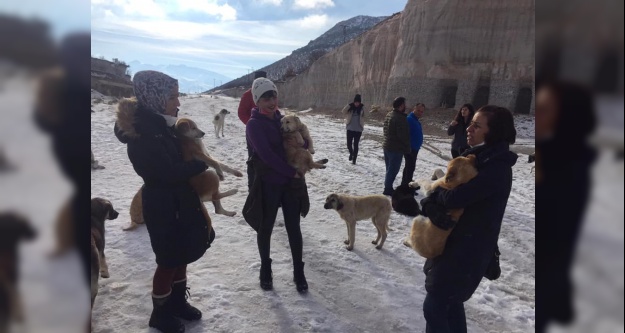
265 137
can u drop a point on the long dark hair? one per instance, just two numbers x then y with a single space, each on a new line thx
460 119
500 124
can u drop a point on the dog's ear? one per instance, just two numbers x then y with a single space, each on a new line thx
98 208
183 126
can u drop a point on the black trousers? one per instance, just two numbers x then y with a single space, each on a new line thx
273 197
409 167
443 315
353 138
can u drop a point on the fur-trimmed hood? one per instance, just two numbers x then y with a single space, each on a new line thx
134 122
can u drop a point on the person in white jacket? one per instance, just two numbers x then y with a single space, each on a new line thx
355 122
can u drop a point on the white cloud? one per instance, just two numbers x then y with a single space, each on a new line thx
312 4
269 2
144 8
210 7
313 21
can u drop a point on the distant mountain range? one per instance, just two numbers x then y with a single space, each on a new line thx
190 79
300 59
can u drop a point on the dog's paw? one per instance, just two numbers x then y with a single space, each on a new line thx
346 242
221 176
104 274
312 151
379 247
238 174
407 243
349 248
374 242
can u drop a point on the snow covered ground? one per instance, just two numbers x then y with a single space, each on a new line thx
365 290
360 291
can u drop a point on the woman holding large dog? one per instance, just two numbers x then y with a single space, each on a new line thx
453 277
276 184
458 128
172 210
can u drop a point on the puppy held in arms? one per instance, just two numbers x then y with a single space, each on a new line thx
426 238
205 184
294 132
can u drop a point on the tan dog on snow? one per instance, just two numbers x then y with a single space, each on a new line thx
293 134
356 208
426 238
205 184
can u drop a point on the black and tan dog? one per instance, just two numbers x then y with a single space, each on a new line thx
101 210
13 229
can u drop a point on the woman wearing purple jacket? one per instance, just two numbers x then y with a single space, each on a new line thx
276 184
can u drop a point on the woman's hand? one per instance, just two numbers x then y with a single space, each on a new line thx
454 123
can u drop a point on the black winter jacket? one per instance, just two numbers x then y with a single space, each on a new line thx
171 208
457 272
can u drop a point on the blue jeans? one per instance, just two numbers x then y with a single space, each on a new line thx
443 315
392 160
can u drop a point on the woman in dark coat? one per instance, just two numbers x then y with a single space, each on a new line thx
458 128
452 277
172 210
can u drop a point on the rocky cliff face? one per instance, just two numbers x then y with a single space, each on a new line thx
442 53
302 58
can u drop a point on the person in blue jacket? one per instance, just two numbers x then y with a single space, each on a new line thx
416 140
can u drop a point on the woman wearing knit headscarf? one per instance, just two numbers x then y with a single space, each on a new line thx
172 211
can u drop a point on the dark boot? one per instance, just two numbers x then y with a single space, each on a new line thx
162 317
351 157
266 278
354 159
299 278
180 307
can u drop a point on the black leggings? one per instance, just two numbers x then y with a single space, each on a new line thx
273 196
353 136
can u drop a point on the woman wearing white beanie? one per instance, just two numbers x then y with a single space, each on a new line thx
276 184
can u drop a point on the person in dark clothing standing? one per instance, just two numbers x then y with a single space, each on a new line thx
458 128
245 112
565 118
279 184
416 140
173 213
355 121
396 142
452 278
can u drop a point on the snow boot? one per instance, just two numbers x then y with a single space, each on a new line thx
162 317
266 278
180 307
298 277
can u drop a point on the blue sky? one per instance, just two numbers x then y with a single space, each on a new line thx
227 37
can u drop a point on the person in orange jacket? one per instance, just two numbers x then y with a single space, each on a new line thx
245 112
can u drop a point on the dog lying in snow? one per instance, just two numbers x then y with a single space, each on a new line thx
205 184
219 122
294 132
426 238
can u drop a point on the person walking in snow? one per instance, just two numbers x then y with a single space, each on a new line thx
416 140
452 278
275 184
172 210
355 115
396 142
